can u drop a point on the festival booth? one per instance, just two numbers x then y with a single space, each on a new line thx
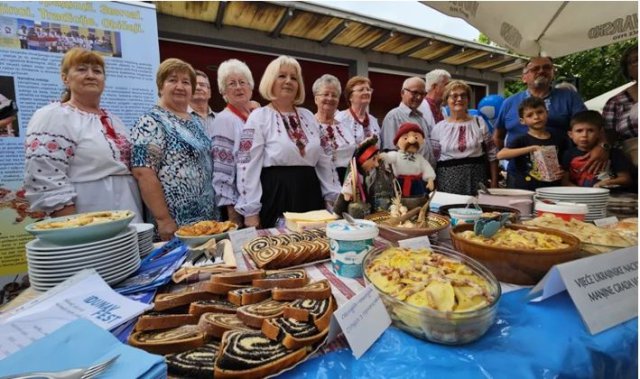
501 285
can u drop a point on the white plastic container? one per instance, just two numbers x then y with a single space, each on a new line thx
520 199
464 215
565 211
349 244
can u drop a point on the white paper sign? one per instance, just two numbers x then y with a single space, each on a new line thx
604 287
362 319
606 221
415 243
240 237
86 296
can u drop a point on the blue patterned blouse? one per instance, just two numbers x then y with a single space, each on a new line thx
179 151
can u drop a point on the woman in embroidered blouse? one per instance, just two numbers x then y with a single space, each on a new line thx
235 83
357 118
462 145
621 111
281 164
78 154
171 156
336 140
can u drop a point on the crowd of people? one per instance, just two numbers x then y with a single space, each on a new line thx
181 162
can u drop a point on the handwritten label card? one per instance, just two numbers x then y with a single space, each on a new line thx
362 319
604 287
415 243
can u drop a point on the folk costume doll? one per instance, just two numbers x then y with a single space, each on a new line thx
411 169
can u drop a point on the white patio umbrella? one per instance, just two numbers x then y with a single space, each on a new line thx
547 28
598 102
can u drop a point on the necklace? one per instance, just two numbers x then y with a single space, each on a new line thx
237 112
364 122
294 129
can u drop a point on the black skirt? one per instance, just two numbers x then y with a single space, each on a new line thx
288 189
341 173
461 176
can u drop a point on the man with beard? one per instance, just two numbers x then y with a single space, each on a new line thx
411 169
412 94
200 101
561 105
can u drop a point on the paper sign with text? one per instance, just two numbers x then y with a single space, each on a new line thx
604 287
415 243
362 319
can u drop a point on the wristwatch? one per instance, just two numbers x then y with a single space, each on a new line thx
605 146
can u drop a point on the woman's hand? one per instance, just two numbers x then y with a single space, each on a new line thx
250 221
234 216
166 228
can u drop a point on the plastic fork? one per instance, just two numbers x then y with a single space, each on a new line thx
74 373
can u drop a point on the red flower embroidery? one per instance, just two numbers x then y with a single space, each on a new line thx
34 145
52 146
69 151
245 145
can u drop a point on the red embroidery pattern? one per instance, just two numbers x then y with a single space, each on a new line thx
294 130
364 122
462 138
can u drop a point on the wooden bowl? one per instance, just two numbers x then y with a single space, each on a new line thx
522 266
435 221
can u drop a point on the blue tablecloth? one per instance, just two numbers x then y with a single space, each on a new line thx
528 340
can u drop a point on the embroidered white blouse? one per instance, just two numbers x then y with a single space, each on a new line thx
338 142
70 160
265 143
225 138
456 140
357 129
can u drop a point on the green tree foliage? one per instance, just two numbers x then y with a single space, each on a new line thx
598 69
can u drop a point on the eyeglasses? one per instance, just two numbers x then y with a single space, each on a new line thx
461 96
546 67
363 89
201 84
415 93
240 83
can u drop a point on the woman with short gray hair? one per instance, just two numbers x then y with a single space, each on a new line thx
336 140
235 84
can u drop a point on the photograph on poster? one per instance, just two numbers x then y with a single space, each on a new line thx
8 108
51 37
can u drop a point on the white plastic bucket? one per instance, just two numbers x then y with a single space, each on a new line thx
349 244
565 211
464 215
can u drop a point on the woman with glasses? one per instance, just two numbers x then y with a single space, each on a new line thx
462 145
281 165
77 153
337 141
235 83
357 118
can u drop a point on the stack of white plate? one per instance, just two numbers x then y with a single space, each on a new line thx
595 198
145 238
113 258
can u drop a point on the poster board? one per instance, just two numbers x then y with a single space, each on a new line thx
33 39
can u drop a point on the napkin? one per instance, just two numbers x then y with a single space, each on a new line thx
81 343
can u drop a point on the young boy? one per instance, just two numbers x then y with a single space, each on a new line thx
585 130
533 113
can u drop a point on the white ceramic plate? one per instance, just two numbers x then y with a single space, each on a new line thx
86 260
41 245
110 268
82 252
74 235
573 190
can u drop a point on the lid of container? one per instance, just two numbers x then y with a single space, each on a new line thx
510 192
343 231
561 207
465 211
